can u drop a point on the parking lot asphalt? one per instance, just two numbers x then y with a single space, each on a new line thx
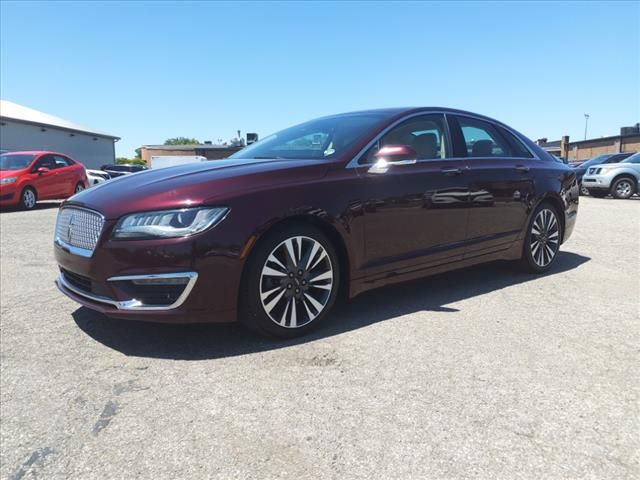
483 373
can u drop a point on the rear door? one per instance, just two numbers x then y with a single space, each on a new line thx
66 175
500 183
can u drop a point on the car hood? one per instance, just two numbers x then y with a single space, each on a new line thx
12 173
202 183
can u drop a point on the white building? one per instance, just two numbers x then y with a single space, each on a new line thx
23 128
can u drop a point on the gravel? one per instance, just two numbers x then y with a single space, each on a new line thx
482 373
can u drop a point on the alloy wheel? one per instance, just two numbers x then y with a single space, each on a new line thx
545 237
584 190
296 282
624 189
29 198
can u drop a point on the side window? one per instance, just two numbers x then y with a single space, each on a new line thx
61 162
46 161
517 147
426 134
482 139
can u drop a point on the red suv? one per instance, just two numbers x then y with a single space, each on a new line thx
26 177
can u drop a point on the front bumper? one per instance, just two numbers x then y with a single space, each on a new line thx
599 182
9 195
213 270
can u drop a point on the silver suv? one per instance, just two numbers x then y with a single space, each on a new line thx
620 180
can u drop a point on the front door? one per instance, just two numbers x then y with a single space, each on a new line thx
415 213
46 183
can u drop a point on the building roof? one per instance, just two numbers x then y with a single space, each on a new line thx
13 111
193 146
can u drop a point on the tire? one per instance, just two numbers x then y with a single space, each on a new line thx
28 198
542 242
597 194
78 188
290 283
584 190
623 188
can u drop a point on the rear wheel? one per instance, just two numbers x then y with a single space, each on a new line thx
291 282
79 188
28 199
623 188
542 242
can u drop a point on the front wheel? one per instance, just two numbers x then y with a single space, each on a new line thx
623 188
542 242
291 282
584 190
28 199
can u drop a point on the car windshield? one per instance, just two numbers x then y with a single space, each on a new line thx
596 160
635 158
318 139
11 161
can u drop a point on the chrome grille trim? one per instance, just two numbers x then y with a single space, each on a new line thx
78 230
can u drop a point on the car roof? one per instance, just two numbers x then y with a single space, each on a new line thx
401 111
33 152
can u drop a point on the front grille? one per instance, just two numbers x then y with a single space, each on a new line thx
78 281
79 228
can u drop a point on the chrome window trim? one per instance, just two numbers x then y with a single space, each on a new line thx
83 252
133 304
353 163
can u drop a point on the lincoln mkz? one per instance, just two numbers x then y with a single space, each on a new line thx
275 234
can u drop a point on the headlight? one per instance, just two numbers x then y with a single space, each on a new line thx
168 223
8 180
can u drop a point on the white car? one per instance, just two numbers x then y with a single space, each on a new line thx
97 176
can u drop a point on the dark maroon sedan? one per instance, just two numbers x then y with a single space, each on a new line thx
338 205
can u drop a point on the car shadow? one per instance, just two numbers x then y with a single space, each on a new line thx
210 341
39 206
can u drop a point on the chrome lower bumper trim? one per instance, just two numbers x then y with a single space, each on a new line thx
133 304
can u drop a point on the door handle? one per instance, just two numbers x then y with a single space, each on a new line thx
522 168
451 171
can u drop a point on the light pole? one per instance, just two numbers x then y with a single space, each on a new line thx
586 122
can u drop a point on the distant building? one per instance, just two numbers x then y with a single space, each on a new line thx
210 151
23 128
627 141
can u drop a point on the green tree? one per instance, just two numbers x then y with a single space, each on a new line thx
181 141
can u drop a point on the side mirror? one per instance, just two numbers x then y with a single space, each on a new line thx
393 155
42 170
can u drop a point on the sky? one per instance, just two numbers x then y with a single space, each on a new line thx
148 71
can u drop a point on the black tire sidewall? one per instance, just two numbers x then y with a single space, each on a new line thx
615 184
23 206
250 310
527 258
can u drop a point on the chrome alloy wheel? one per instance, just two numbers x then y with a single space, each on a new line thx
29 198
296 282
545 237
624 189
